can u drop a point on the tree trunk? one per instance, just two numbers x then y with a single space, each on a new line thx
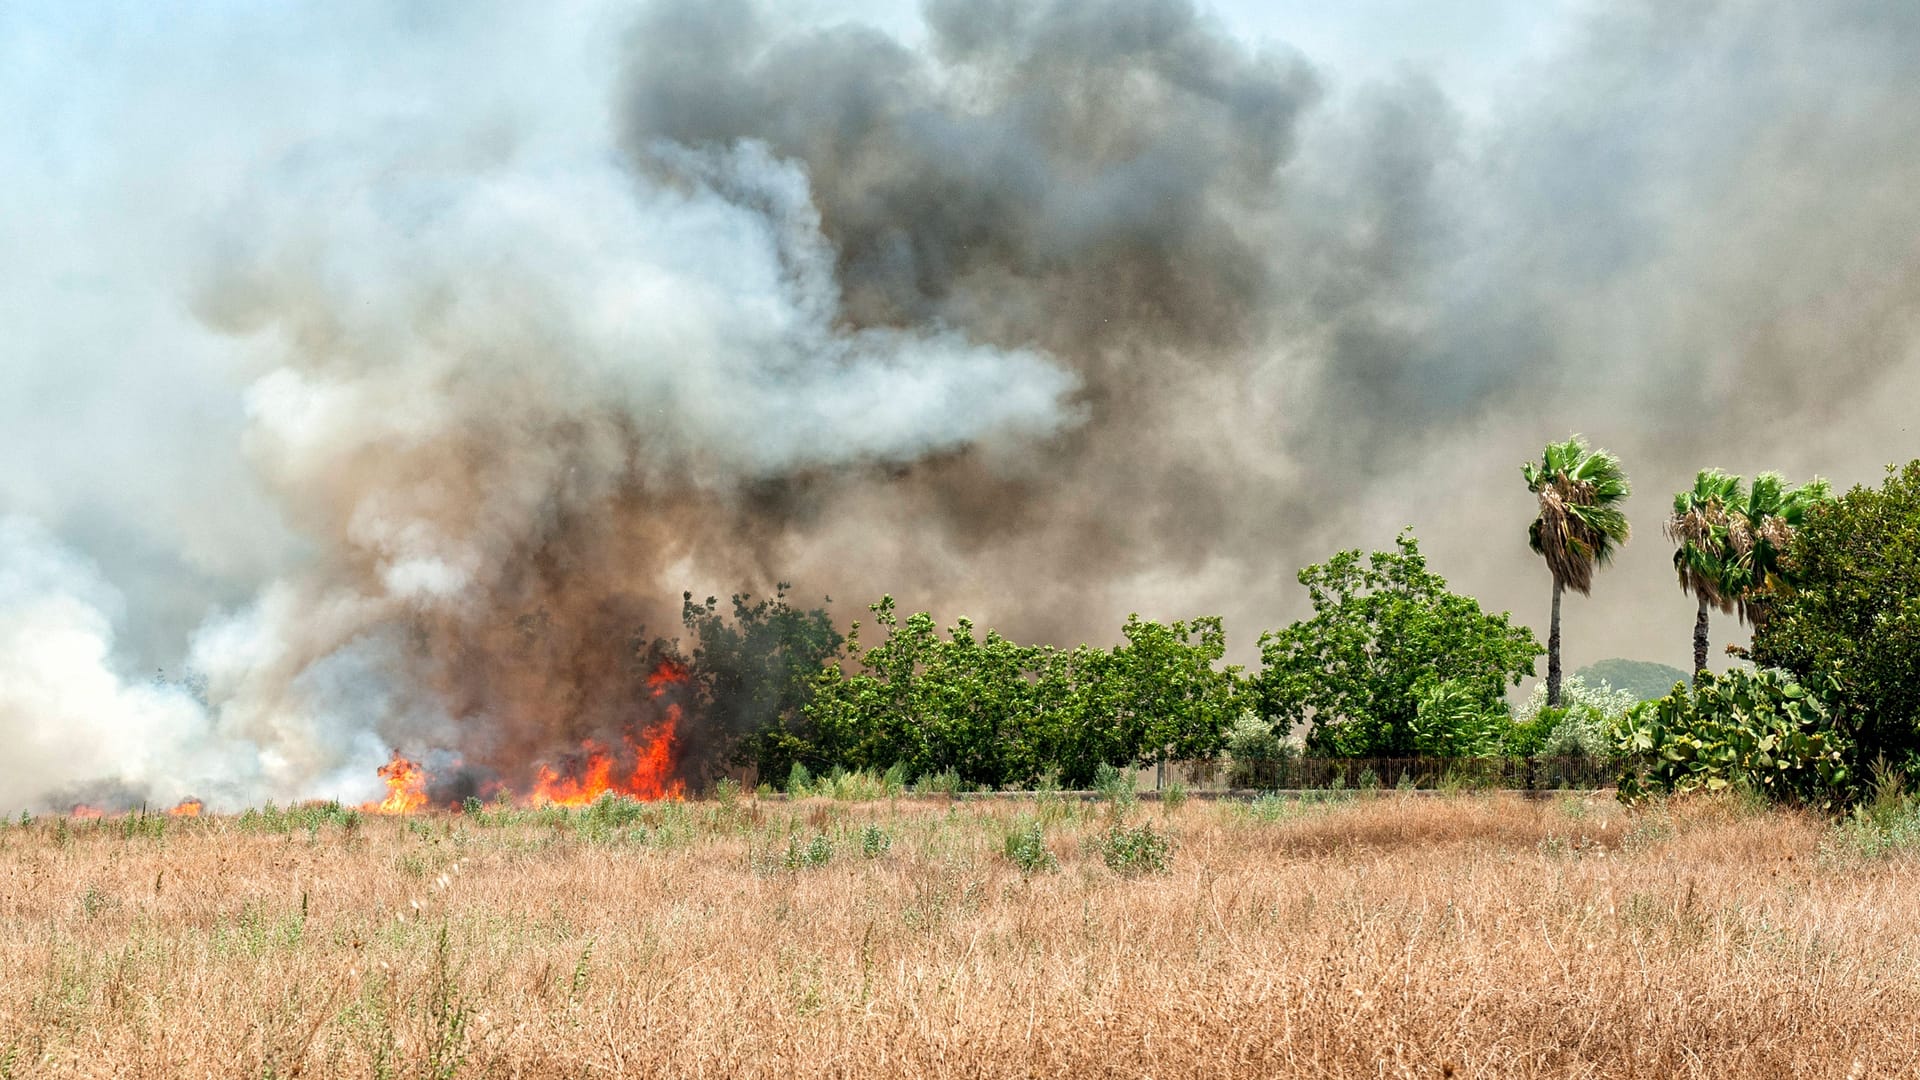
1700 638
1553 650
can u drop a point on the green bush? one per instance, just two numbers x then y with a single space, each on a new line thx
999 714
1757 730
1252 743
1138 849
894 780
799 781
749 678
1849 624
875 841
1452 718
940 783
817 851
1887 821
1584 725
1026 847
1174 796
1116 787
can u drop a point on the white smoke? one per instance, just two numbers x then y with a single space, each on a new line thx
76 728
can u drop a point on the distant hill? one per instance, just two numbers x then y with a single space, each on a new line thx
1646 679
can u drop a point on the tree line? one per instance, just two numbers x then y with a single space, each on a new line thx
1390 662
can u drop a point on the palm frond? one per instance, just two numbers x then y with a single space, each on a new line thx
1580 524
1708 535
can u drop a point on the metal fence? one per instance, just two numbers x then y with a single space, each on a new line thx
1535 773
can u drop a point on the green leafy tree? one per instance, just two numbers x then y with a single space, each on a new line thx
1850 624
994 713
960 704
1379 624
1162 695
1704 518
751 676
1579 527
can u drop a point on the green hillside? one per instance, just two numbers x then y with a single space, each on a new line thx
1646 679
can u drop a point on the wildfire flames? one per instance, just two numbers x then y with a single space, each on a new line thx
406 787
640 767
188 808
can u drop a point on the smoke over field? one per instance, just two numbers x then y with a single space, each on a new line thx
383 375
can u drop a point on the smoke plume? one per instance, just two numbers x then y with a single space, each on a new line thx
385 376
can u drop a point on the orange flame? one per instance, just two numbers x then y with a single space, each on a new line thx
85 811
406 787
189 807
641 768
595 773
668 674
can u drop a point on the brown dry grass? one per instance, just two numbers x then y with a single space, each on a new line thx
1397 936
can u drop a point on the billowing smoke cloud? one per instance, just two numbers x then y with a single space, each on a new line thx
401 398
1307 313
509 389
77 733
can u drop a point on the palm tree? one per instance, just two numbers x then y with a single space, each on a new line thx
1704 520
1579 527
1758 534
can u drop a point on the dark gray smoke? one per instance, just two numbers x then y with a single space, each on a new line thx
392 399
1306 313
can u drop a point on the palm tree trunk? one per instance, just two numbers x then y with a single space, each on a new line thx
1700 638
1553 650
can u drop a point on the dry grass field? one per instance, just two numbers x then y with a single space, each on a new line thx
1466 935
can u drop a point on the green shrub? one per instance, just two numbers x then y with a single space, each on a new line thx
1139 849
844 786
999 713
1174 796
1849 625
894 780
1251 743
1761 730
1026 848
1584 725
1455 718
875 841
799 781
946 782
1116 787
1269 808
817 851
753 674
1887 821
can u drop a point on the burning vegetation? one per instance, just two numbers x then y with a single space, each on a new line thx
640 763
